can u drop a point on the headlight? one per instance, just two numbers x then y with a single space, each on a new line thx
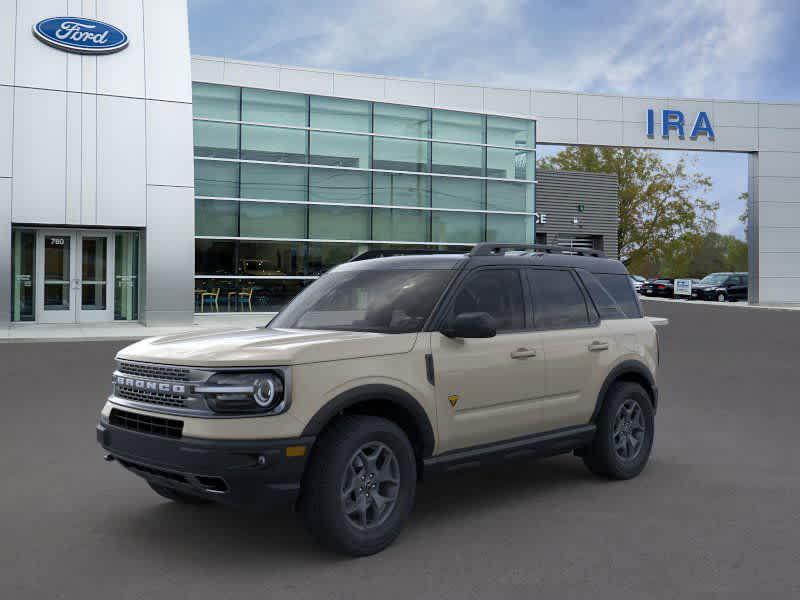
245 393
720 289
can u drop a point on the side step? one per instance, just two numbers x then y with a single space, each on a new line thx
538 445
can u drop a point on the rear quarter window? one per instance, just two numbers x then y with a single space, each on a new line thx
619 286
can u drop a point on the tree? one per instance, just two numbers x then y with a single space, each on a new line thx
659 202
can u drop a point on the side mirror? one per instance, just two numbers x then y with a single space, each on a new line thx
471 325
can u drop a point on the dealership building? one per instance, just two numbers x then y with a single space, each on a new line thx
139 183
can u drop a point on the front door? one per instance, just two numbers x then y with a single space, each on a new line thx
73 272
489 389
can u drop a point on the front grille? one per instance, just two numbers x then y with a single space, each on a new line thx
154 371
170 428
159 398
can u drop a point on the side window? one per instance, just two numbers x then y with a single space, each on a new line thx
621 290
494 291
558 302
607 307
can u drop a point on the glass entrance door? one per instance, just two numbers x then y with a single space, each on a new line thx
73 274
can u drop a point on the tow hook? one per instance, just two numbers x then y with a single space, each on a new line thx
108 458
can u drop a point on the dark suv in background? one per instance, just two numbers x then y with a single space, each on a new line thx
722 287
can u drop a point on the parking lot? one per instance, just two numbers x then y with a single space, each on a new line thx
715 514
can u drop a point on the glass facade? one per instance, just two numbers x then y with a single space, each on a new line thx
289 185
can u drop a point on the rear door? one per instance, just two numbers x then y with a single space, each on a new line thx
577 346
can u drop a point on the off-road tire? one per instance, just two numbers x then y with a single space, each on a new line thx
322 497
176 495
602 456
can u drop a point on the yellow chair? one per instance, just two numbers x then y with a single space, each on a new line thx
246 295
211 298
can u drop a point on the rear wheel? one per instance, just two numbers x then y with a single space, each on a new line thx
360 485
624 437
176 495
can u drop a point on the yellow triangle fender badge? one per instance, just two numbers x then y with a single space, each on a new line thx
453 399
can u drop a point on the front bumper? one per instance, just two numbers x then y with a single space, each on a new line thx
245 473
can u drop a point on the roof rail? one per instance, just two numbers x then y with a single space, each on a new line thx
490 248
385 252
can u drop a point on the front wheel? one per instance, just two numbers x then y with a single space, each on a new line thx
624 437
360 485
721 297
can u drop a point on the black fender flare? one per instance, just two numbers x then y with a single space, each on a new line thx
400 399
627 370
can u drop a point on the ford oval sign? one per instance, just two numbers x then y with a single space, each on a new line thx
84 36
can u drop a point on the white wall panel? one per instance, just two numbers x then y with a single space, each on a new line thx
738 139
121 169
39 156
408 91
5 249
169 144
507 102
779 214
601 133
8 23
634 109
307 81
166 37
557 131
122 73
89 159
555 104
779 115
779 164
250 75
464 97
599 108
781 140
208 70
358 86
779 290
777 239
6 128
36 64
779 189
74 159
735 114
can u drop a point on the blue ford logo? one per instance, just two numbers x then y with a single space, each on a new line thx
76 34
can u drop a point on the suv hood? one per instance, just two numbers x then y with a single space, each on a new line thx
265 347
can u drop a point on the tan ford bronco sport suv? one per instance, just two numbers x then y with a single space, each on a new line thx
385 369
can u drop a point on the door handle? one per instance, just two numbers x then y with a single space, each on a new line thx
523 353
596 346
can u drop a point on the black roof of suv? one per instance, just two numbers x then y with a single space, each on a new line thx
490 253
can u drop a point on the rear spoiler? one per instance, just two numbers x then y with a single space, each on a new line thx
658 321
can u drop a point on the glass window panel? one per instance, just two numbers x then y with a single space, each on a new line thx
452 192
558 302
260 219
400 155
457 126
272 258
457 159
272 295
509 164
336 185
281 108
337 113
401 190
324 256
400 225
273 144
339 222
214 257
215 178
507 195
220 140
466 228
126 276
215 101
497 292
213 295
339 150
407 121
23 259
57 272
273 182
216 217
507 131
509 228
93 273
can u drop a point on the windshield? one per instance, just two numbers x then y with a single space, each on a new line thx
388 301
714 279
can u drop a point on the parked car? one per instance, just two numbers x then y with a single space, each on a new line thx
638 281
661 288
387 368
722 287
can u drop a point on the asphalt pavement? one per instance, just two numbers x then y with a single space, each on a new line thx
715 514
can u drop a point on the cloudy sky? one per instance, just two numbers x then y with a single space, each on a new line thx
740 49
